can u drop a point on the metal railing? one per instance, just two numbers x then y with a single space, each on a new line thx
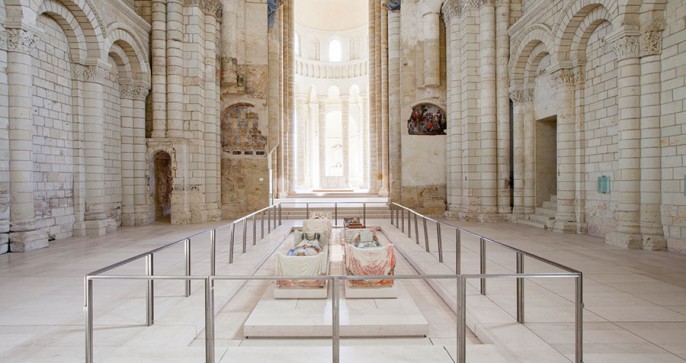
272 223
274 218
398 213
209 311
334 205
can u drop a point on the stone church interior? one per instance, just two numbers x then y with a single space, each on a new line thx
343 181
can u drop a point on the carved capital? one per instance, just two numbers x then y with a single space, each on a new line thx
466 5
626 47
565 77
450 9
20 40
651 42
211 7
519 96
487 2
133 91
93 73
392 5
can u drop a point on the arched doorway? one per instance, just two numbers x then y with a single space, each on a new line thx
163 186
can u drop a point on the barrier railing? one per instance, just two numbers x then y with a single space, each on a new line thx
274 218
335 205
398 220
335 297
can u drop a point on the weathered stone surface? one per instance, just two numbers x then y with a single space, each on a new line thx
245 185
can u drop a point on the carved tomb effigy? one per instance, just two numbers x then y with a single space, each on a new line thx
308 256
365 255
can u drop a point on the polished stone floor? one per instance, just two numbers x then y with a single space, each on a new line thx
635 302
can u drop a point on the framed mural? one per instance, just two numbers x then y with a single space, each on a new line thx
426 119
240 131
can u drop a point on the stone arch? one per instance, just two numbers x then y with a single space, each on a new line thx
532 65
574 14
133 48
122 62
586 28
538 34
89 23
70 26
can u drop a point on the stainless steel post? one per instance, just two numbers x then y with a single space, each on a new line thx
262 225
426 236
254 230
269 220
335 214
213 255
187 258
364 213
89 319
209 320
409 225
579 320
231 241
335 321
461 319
440 242
150 271
402 220
307 210
458 252
416 229
245 235
280 220
520 288
482 264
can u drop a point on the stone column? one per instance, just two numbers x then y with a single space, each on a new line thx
384 125
24 233
345 126
212 11
94 150
504 191
628 176
128 214
302 155
312 153
451 16
175 121
565 216
322 142
652 234
159 68
365 139
523 102
394 103
488 147
144 214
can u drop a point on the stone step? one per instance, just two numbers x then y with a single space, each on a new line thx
539 218
531 223
545 211
550 205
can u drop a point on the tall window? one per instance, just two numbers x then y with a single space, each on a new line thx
335 51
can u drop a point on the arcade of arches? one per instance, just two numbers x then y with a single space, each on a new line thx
567 114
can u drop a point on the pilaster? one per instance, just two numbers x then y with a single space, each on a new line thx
394 103
628 175
565 84
652 235
174 69
158 54
524 197
24 233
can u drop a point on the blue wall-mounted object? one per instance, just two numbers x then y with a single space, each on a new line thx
603 184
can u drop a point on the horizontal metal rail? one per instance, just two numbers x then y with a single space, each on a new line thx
335 325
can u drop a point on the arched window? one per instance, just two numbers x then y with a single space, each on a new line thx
296 44
335 51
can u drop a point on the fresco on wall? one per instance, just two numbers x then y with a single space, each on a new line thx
426 119
241 133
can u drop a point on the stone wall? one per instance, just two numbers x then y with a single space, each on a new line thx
245 185
53 132
673 126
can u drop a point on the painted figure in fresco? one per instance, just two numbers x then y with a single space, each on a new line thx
426 119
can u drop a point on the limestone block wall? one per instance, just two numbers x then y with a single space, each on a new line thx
244 86
673 126
601 116
422 74
4 143
52 132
